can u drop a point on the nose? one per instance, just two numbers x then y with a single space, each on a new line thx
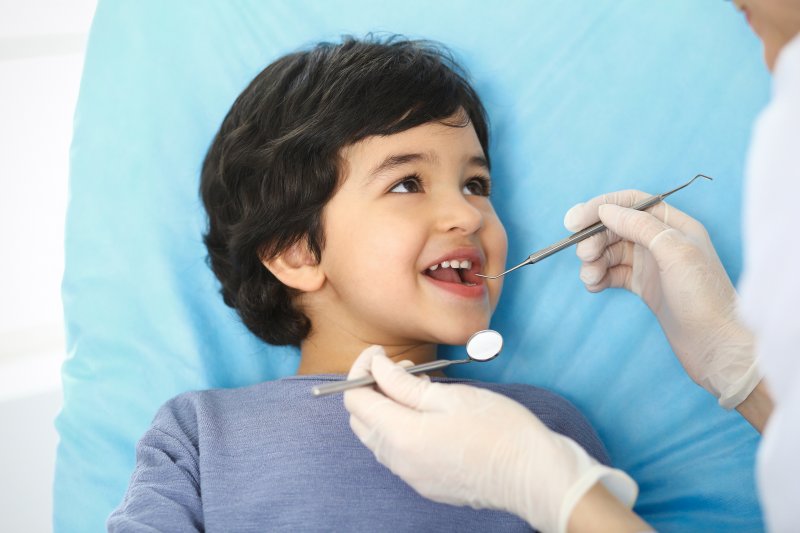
458 213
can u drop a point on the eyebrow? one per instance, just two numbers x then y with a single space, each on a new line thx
394 161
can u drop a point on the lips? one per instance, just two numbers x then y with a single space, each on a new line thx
456 272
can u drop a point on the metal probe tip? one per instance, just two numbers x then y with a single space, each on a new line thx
503 273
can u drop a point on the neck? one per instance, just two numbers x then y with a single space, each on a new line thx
330 349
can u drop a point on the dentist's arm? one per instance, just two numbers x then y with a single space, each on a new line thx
468 446
666 257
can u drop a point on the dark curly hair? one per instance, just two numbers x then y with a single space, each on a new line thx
275 161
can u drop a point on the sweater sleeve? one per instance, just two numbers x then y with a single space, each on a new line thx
164 491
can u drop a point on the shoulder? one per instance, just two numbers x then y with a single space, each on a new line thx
188 406
187 411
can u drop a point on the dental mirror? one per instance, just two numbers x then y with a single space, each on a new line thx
482 346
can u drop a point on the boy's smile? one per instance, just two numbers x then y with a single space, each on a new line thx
405 234
456 271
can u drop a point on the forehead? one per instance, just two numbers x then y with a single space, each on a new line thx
432 143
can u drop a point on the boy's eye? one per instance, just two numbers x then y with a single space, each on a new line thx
408 184
478 186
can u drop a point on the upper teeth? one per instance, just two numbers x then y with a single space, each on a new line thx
455 263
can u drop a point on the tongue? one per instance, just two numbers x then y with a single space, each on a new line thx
448 275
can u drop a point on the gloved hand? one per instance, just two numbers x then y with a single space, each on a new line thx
666 257
468 446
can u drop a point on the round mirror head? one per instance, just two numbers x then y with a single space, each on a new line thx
484 345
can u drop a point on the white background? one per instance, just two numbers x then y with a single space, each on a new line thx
41 55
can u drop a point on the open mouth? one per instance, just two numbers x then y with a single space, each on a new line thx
458 271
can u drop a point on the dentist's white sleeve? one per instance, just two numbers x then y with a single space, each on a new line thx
770 285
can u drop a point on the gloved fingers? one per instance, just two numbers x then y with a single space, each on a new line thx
632 225
592 248
365 402
370 436
585 214
374 438
362 398
619 253
675 218
361 366
405 363
387 428
619 276
668 245
399 385
375 412
361 430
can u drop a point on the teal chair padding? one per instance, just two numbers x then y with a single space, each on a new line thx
585 97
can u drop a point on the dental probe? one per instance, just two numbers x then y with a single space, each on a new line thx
482 346
588 232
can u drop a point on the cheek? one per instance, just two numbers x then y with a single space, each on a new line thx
369 247
390 240
494 239
495 245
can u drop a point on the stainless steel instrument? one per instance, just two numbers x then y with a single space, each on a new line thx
482 346
588 232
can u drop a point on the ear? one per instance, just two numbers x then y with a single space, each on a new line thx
296 267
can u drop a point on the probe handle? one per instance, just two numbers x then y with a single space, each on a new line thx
341 386
585 233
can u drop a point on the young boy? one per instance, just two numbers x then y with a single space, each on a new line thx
348 199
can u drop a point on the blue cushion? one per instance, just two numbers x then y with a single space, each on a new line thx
585 97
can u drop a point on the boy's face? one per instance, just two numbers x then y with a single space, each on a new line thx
408 203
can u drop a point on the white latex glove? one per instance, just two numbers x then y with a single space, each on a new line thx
464 445
666 257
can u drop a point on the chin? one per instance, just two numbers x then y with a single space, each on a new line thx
770 59
460 333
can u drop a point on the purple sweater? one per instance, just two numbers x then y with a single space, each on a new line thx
270 457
